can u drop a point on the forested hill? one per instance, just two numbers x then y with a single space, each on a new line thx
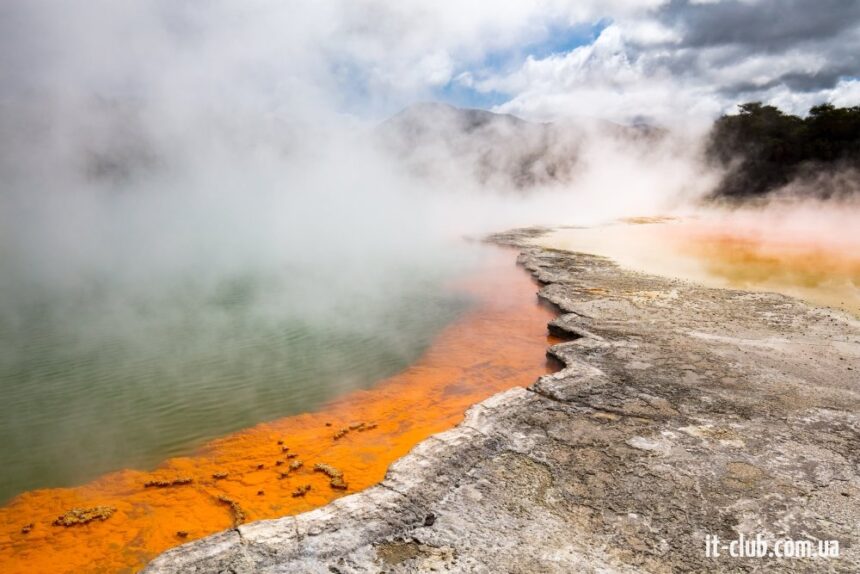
763 149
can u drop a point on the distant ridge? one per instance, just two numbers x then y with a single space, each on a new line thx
499 151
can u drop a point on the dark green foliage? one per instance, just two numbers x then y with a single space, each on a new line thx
766 148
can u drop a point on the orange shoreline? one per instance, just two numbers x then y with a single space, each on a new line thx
499 344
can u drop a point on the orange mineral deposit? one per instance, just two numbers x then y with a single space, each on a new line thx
120 521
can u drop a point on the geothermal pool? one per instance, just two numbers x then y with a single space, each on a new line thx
820 263
354 391
93 384
480 334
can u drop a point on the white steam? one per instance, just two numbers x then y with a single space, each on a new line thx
146 138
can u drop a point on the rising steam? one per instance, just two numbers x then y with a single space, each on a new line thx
158 157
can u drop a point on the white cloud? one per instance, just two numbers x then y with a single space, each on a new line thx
649 32
599 80
846 93
383 55
640 68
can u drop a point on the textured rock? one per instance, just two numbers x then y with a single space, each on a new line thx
681 411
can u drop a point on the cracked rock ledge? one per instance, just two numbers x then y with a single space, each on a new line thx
681 412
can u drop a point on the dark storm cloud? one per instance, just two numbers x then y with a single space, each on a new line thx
795 81
719 35
764 25
800 82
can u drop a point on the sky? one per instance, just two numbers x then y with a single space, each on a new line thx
624 60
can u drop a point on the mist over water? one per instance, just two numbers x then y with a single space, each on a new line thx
91 385
158 290
201 238
202 228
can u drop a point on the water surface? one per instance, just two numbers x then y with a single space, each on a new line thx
99 375
499 342
819 264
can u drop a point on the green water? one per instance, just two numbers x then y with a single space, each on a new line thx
99 376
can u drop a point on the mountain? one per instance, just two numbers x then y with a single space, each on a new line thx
500 151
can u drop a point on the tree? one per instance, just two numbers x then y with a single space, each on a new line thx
764 148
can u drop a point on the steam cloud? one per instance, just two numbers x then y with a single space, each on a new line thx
146 139
157 154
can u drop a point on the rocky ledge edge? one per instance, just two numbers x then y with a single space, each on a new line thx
681 412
